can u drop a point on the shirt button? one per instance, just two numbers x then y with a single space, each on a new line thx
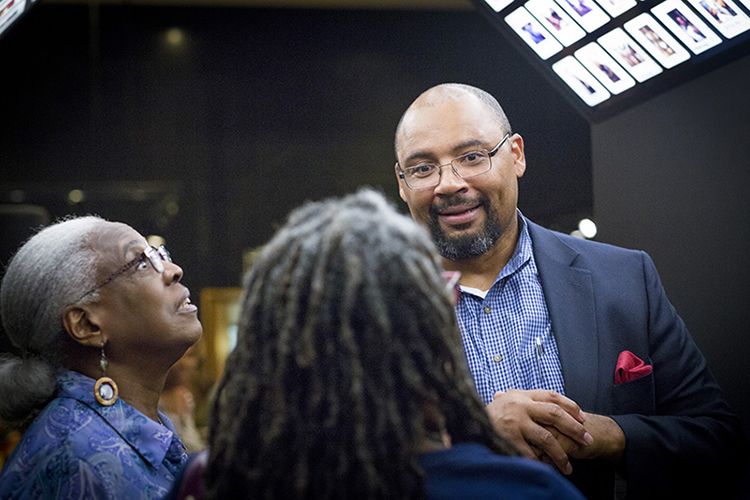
487 309
497 358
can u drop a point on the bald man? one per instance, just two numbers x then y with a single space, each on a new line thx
572 344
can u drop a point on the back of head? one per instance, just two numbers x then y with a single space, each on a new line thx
51 270
347 334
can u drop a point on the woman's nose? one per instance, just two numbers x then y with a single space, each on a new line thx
172 273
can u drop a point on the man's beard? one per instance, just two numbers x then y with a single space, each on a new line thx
470 245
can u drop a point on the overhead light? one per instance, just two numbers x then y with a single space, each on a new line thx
587 227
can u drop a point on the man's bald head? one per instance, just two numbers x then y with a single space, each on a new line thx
453 91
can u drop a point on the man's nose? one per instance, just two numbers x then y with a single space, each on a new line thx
450 181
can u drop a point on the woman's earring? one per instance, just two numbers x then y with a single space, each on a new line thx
105 389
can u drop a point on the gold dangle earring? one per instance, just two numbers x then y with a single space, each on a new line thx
105 389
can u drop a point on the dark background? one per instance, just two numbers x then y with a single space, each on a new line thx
211 142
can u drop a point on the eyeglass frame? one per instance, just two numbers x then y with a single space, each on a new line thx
155 256
489 152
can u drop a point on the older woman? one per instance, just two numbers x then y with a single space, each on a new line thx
99 317
349 380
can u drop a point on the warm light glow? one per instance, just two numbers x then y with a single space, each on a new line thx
175 37
155 240
76 196
172 207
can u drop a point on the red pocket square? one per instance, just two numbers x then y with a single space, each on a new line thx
630 367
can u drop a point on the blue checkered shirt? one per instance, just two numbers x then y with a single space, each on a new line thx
507 333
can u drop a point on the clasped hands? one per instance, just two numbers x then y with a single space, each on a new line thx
550 427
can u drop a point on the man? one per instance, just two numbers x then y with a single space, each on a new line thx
573 345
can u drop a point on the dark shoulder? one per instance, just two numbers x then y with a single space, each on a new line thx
190 483
549 242
471 470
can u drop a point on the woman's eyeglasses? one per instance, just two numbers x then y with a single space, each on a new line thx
154 256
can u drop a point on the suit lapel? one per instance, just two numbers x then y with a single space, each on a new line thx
570 300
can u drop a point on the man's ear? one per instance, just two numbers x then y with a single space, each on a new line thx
81 325
519 155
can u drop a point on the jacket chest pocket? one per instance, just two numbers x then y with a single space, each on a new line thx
636 396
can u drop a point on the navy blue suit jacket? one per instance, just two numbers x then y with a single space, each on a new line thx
603 300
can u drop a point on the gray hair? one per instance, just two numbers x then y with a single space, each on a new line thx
50 271
456 90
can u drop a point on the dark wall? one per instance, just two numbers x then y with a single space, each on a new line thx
212 142
672 177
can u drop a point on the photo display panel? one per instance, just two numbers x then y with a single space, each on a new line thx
630 55
686 25
556 21
10 10
723 15
608 55
654 38
580 81
616 7
533 33
604 68
585 12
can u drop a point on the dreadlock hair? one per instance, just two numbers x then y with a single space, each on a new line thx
347 334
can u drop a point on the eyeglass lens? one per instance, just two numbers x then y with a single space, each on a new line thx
157 256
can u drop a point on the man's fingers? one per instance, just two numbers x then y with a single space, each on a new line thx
552 415
540 423
542 439
567 404
523 448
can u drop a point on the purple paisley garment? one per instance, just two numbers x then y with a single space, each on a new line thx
76 448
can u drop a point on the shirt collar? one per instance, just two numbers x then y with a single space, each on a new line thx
150 439
522 253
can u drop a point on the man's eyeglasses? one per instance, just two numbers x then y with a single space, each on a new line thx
427 175
154 256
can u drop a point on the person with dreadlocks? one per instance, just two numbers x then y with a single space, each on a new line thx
348 379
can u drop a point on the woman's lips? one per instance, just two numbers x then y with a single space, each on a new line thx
185 306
